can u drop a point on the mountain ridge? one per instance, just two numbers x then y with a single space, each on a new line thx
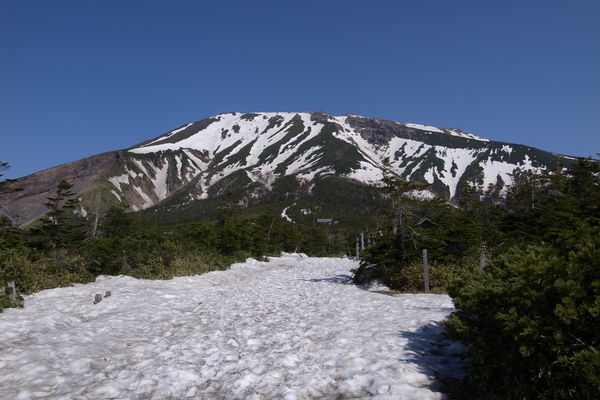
254 150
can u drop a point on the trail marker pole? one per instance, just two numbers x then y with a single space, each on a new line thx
482 261
13 290
425 271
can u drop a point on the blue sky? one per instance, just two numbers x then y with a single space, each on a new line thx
80 78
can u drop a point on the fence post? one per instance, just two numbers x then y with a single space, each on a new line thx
482 261
13 290
357 252
425 271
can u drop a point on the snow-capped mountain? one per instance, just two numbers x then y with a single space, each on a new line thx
249 153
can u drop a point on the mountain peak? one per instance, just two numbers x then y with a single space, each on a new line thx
252 151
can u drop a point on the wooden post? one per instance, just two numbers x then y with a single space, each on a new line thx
362 241
482 261
108 293
425 271
357 251
98 298
13 290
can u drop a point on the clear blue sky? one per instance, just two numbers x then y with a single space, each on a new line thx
80 78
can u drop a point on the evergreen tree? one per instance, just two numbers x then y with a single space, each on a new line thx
530 318
403 204
7 222
530 321
456 235
5 185
117 223
539 206
584 187
60 227
401 240
281 235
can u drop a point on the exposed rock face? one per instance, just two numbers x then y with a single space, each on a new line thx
380 132
28 203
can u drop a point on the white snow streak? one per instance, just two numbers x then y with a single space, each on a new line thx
147 200
118 180
160 181
425 128
284 213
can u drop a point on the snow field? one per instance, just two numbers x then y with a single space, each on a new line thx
291 328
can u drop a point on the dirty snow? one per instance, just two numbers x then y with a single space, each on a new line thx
291 328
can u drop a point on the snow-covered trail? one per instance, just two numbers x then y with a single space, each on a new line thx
291 328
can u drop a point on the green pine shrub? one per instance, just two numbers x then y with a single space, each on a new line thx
197 264
410 279
7 302
530 321
33 270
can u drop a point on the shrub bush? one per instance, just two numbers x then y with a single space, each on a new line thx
530 321
409 277
33 271
7 302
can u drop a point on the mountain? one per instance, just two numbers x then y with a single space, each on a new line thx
251 159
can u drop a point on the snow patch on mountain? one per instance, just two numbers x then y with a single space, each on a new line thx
178 166
147 201
426 128
178 130
284 213
310 175
367 173
160 181
458 132
118 180
220 134
503 171
456 161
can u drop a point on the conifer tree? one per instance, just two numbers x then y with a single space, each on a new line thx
10 235
403 204
60 226
584 187
400 240
5 184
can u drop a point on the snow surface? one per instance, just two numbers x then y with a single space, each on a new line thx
291 328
